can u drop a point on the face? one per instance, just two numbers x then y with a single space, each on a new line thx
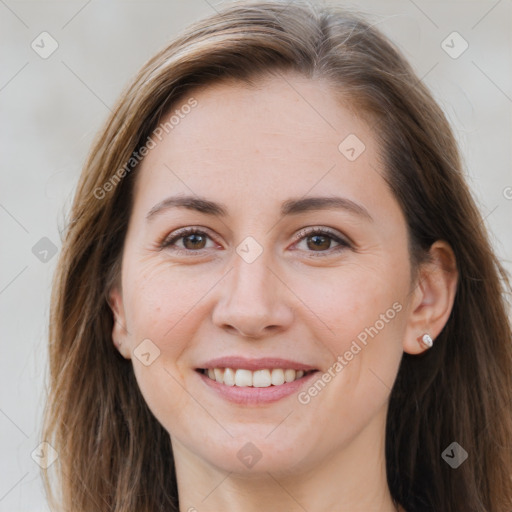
265 279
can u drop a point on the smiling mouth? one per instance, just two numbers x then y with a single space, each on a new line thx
263 378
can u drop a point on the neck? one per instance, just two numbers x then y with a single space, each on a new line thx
352 479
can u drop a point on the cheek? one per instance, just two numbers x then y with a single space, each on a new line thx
162 300
163 306
354 301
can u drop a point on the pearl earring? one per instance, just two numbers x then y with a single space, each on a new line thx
426 341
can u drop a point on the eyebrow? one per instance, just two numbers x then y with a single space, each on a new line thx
289 207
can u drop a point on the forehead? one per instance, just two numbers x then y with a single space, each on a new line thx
282 137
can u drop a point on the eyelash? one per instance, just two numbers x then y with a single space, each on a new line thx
343 243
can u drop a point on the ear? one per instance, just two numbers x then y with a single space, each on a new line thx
432 297
119 331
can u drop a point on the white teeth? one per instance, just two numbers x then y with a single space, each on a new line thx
261 379
258 379
229 377
243 378
277 377
289 375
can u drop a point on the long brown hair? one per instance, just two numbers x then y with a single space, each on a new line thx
113 454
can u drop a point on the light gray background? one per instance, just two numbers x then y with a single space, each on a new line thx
51 109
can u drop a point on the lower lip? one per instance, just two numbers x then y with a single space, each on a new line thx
250 395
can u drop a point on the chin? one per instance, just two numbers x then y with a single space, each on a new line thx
257 455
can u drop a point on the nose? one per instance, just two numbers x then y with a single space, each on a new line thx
253 300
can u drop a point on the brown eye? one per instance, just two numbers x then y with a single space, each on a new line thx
194 241
319 242
187 240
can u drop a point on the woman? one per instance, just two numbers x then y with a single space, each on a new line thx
276 291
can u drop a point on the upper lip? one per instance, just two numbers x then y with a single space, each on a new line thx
261 363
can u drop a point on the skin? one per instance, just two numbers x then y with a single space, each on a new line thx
252 148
